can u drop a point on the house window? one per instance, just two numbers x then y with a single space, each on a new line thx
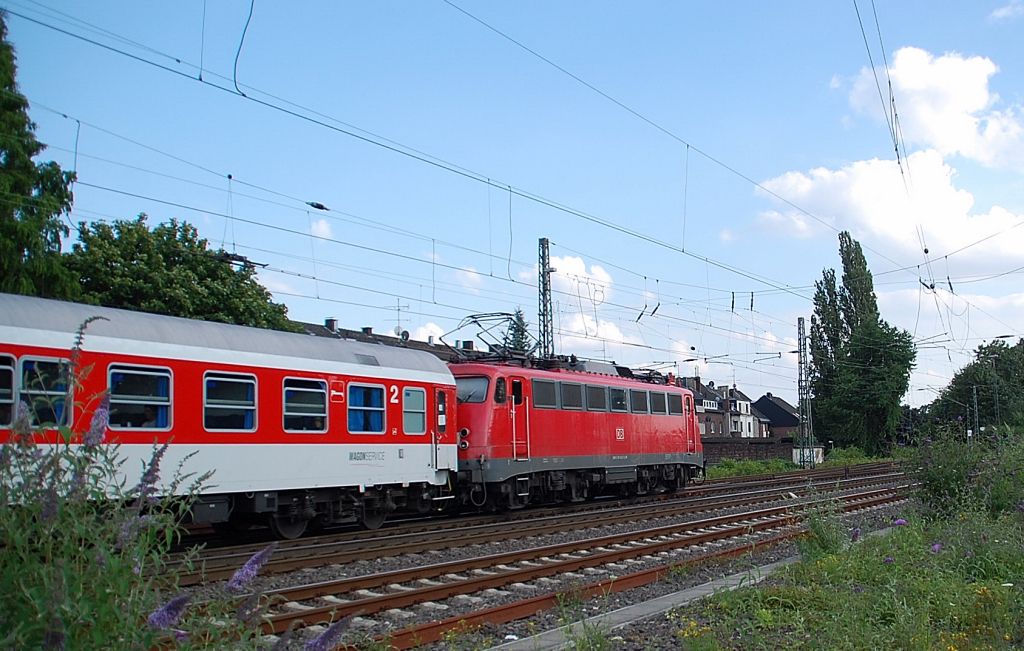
305 405
140 397
366 409
6 391
597 398
229 402
414 411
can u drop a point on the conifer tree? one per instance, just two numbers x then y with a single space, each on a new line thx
33 196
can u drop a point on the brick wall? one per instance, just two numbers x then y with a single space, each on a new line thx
718 448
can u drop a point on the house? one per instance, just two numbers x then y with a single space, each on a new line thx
709 406
784 418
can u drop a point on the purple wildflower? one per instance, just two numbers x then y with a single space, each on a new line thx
179 634
51 503
855 535
899 522
927 441
248 572
889 559
969 553
98 424
147 485
936 548
130 529
329 638
858 589
22 420
170 613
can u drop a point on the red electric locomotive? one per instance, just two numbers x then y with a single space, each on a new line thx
298 429
532 435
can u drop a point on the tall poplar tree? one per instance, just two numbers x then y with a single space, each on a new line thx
33 196
860 365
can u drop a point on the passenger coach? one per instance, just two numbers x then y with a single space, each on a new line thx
297 429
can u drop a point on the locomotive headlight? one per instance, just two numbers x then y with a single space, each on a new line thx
463 444
464 432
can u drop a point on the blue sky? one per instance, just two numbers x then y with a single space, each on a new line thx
443 115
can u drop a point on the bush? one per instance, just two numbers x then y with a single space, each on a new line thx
745 467
82 563
845 457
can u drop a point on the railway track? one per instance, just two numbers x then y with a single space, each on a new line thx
602 563
423 537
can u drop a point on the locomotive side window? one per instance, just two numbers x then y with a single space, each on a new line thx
689 405
6 390
517 392
140 397
499 391
572 396
597 398
471 389
365 409
675 404
544 394
658 403
618 399
638 401
229 402
305 405
414 411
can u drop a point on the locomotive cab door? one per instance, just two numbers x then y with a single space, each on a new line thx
519 415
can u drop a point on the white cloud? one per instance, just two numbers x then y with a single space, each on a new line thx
320 228
870 199
945 103
1012 10
429 330
470 279
727 235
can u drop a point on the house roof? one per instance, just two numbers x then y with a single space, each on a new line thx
779 412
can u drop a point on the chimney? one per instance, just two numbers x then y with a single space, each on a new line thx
368 331
430 339
331 324
467 345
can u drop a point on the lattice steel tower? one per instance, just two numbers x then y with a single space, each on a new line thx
806 433
547 332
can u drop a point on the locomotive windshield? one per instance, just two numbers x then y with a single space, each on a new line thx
472 389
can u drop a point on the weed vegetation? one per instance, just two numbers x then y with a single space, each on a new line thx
82 551
948 575
733 468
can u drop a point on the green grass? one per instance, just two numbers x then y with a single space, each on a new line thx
952 578
733 468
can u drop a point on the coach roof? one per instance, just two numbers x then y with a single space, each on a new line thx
63 319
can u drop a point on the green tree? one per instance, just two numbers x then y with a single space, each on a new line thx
170 270
32 198
996 377
517 337
860 365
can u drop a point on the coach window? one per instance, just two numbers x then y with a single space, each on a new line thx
229 402
365 409
675 404
618 399
572 395
658 403
45 390
6 390
305 405
597 398
414 411
638 401
499 391
140 397
544 395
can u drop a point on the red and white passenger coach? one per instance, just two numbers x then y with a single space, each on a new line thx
297 429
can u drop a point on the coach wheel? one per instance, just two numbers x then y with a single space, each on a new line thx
374 518
287 528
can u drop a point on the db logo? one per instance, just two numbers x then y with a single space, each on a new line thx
620 434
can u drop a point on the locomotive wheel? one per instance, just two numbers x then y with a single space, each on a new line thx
374 518
287 528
